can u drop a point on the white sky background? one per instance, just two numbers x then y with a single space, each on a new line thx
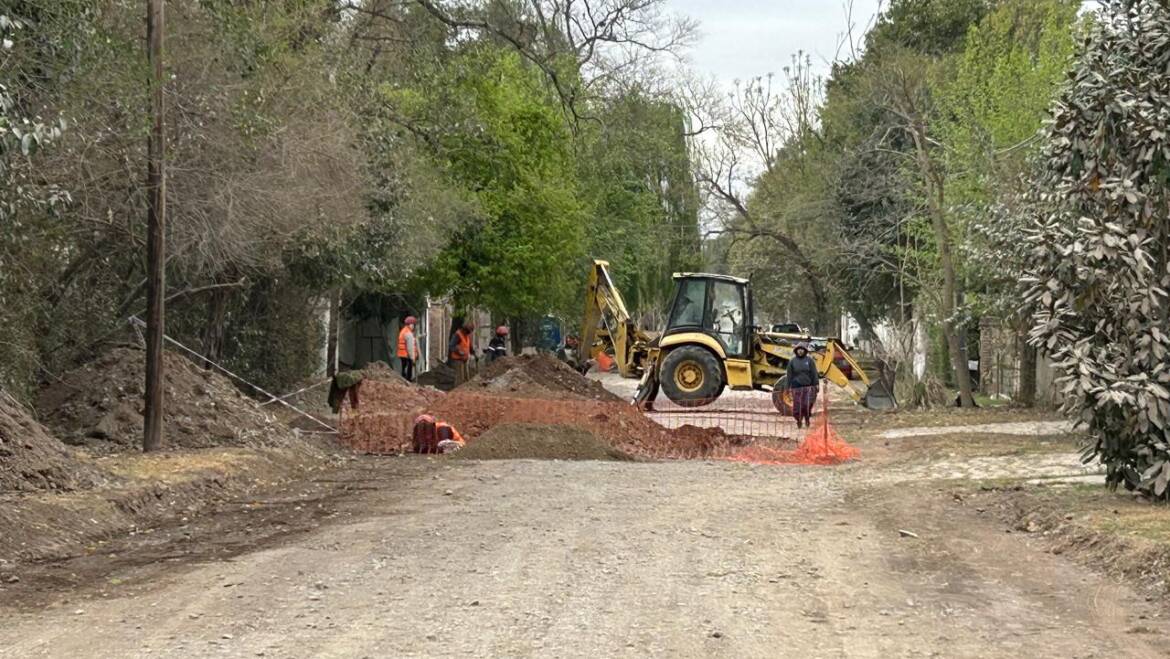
742 39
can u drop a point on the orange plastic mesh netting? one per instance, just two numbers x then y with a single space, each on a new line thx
821 446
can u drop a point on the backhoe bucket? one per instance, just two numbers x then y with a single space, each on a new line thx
879 397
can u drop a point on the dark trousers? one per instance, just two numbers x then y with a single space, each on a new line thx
803 399
462 371
407 368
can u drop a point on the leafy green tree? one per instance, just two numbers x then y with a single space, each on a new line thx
1100 270
511 148
995 102
643 208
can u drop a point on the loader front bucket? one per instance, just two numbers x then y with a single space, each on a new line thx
879 397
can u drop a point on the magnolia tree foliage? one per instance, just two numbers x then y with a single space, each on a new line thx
1100 269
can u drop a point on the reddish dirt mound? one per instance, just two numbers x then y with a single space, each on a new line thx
99 406
391 397
536 376
519 441
385 414
31 459
620 425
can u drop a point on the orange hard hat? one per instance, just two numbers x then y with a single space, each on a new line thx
410 320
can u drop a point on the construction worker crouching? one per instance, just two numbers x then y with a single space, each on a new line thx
459 352
498 346
431 435
408 352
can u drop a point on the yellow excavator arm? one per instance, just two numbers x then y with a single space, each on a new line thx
607 325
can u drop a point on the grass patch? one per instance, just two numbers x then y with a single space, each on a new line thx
1114 513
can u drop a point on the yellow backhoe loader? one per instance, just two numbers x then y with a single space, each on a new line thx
709 344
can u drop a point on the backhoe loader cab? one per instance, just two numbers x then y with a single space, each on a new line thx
715 305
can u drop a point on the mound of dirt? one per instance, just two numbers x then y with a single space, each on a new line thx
31 459
99 406
383 372
518 441
517 383
536 376
387 407
440 376
619 425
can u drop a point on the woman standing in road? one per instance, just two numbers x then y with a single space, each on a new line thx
803 379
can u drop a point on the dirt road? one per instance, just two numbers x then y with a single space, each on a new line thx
589 559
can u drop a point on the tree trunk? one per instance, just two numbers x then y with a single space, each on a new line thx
213 329
1026 393
156 184
516 333
331 333
950 292
869 333
958 351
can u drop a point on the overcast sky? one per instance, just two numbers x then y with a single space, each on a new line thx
746 38
741 39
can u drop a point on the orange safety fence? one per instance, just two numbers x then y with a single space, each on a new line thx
739 426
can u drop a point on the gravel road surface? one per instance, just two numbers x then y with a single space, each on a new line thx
601 559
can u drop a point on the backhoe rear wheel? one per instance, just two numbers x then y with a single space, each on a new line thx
782 396
691 376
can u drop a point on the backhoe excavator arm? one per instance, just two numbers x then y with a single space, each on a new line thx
607 325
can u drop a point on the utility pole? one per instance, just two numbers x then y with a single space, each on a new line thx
156 184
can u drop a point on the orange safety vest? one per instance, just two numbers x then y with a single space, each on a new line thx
464 339
445 430
402 341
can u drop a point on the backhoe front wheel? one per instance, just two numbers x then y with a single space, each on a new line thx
782 396
691 376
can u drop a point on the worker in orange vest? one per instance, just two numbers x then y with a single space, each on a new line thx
449 438
459 352
431 435
408 352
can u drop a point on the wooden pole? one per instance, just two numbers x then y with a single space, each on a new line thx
156 184
334 328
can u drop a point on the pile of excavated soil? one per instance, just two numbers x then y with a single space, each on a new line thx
99 406
383 372
519 441
440 376
383 391
620 425
31 459
529 390
536 376
518 384
387 407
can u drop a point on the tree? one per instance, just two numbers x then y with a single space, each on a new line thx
22 193
1100 268
754 133
511 146
640 195
994 105
904 92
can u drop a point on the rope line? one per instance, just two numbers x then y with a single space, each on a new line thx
138 323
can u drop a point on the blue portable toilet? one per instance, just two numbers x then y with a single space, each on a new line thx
550 334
